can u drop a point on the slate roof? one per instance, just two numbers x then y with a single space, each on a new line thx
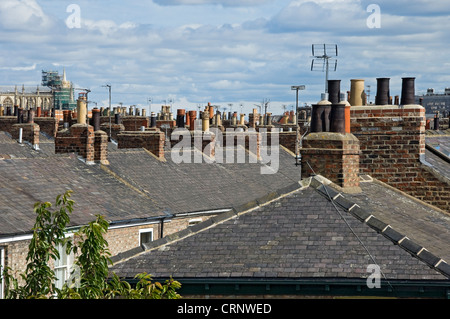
437 153
26 181
135 185
299 235
190 187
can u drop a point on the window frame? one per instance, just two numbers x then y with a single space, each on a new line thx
145 231
68 265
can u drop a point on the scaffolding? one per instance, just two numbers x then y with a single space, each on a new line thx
63 92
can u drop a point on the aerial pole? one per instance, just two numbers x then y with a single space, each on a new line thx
323 54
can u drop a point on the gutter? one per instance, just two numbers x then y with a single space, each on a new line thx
330 287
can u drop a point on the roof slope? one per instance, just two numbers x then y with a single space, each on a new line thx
301 235
134 185
190 187
30 180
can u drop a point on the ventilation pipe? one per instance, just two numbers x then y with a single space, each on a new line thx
408 91
382 97
334 91
356 92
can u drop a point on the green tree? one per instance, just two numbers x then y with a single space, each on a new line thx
91 278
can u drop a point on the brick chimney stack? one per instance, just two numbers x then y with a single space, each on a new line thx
329 150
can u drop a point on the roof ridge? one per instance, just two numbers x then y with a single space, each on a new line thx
383 228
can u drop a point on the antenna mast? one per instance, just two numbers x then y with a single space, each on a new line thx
323 59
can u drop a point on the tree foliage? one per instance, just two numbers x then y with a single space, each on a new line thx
90 277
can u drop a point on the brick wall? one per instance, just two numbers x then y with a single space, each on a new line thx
332 155
119 240
392 146
101 147
249 140
286 139
153 141
115 129
30 132
79 138
48 125
6 123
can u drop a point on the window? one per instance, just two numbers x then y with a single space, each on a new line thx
63 266
145 236
2 266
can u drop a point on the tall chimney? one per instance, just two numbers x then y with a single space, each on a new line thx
347 112
117 118
205 121
356 92
234 119
408 91
436 121
180 117
242 119
19 115
31 116
81 110
192 117
337 118
96 119
382 97
152 119
334 91
320 121
66 120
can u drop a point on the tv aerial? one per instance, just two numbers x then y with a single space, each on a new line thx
324 60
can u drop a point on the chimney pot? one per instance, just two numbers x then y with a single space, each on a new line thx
96 119
408 91
382 97
320 121
334 91
356 92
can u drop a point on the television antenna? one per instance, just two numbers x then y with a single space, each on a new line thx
323 59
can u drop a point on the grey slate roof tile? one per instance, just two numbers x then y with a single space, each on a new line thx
271 242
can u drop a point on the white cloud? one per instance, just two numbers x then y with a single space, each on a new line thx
199 61
22 15
231 3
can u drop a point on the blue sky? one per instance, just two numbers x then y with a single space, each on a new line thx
239 52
